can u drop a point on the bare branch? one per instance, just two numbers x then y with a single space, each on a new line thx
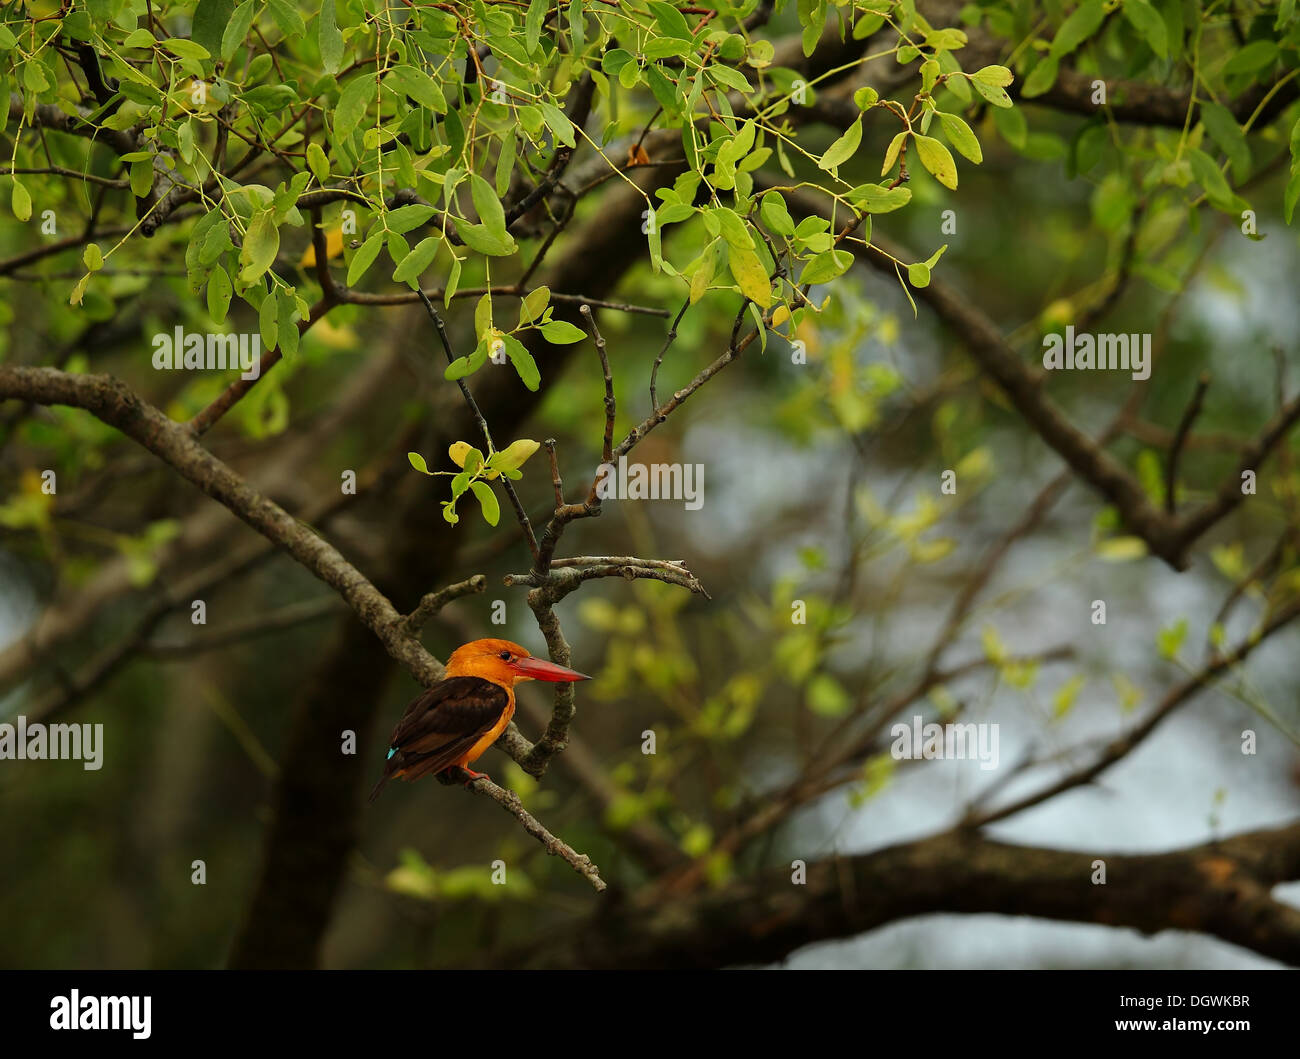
509 801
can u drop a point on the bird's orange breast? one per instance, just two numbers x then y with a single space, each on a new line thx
493 733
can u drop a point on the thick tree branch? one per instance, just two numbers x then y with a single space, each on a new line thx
1218 888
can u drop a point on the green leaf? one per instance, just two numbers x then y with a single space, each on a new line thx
537 11
365 257
417 461
354 101
412 266
827 697
1170 639
141 177
1150 25
318 163
219 292
532 306
236 31
826 267
457 369
992 93
561 127
876 198
186 49
938 160
776 218
487 204
1041 78
487 502
960 136
407 218
918 275
842 149
1085 20
261 244
478 237
210 18
670 20
453 282
733 229
92 257
1013 127
409 81
1255 56
1210 178
523 362
286 331
506 162
1222 126
329 39
287 18
993 76
483 316
267 325
562 333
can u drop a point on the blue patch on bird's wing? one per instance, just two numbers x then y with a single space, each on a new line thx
391 751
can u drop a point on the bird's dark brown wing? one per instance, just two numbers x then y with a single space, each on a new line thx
440 725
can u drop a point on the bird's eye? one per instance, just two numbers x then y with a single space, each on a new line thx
504 655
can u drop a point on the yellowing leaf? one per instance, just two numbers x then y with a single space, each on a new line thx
1122 549
938 160
891 153
1064 699
514 455
21 202
751 277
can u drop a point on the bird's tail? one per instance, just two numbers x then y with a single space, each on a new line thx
383 780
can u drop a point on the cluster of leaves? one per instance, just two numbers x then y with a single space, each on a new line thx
1219 56
475 472
458 105
535 314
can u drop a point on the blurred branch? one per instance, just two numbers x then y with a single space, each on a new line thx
1219 888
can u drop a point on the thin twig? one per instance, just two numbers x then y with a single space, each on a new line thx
668 341
520 513
1184 428
433 602
509 801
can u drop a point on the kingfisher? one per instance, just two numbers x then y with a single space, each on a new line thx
452 723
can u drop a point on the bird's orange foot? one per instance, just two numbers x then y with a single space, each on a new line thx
476 776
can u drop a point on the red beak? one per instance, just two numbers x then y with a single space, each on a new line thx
540 669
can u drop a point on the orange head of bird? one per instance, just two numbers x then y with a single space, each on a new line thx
506 664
